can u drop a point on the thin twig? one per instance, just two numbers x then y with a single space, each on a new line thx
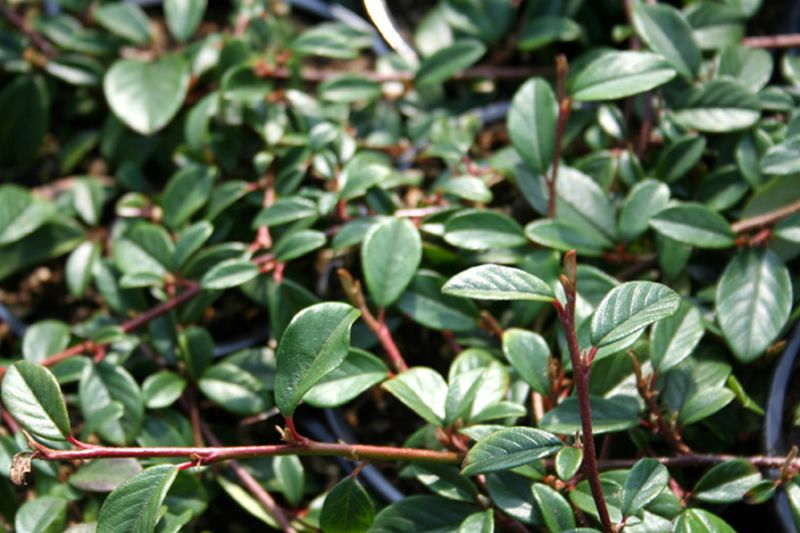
564 109
36 38
581 370
766 219
789 40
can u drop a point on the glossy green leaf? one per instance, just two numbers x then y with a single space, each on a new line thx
422 514
529 354
186 192
21 213
694 224
161 389
350 88
424 302
509 448
45 514
646 480
125 20
316 341
103 385
532 123
135 505
703 404
291 476
666 32
782 159
568 461
422 390
565 235
541 31
104 475
753 302
183 17
347 508
358 372
390 256
674 338
190 240
146 95
43 339
298 244
629 308
234 388
788 228
718 106
32 396
644 200
680 157
555 509
619 74
482 229
448 61
700 521
751 67
497 282
727 482
608 415
229 273
80 266
511 493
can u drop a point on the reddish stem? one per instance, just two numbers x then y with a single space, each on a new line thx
564 109
766 219
789 40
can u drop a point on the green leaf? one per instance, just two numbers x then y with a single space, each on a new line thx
511 493
289 473
359 371
298 244
619 74
565 235
644 200
229 273
196 350
754 300
782 159
286 210
666 32
135 506
422 390
347 508
482 229
43 339
509 448
80 266
424 302
608 415
247 501
788 228
541 31
45 514
629 308
161 389
496 282
349 88
25 102
31 395
532 123
704 403
315 342
694 224
104 475
568 461
124 20
529 354
186 192
190 240
145 95
234 388
647 479
727 482
751 67
469 188
21 213
102 385
700 521
390 256
674 338
326 40
422 514
443 480
555 509
481 522
183 17
680 157
448 61
718 106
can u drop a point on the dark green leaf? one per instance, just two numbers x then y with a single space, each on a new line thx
555 509
646 480
700 521
754 299
680 157
424 302
666 32
347 508
608 415
629 308
481 229
183 17
161 389
718 106
229 273
674 338
568 461
298 244
448 61
694 224
390 256
125 20
235 389
359 371
751 67
103 385
45 514
135 506
496 282
644 200
186 192
529 354
532 123
32 396
349 88
782 159
541 31
618 74
727 482
509 448
104 475
422 390
43 339
422 514
21 213
80 267
289 473
316 341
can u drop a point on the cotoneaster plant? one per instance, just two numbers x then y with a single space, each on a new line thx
278 264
